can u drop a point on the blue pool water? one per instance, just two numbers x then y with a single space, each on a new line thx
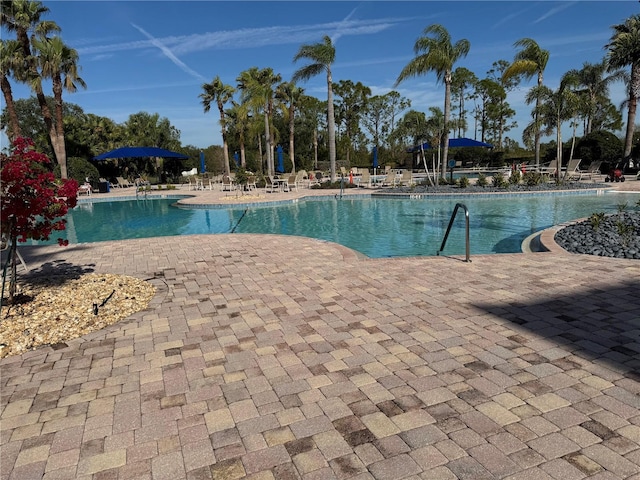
376 227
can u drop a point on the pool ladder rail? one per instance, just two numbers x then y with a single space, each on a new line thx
446 235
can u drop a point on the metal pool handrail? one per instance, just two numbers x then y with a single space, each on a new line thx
446 235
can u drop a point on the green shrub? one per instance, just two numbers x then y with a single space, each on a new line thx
596 220
463 182
80 169
499 181
482 180
514 178
532 178
626 232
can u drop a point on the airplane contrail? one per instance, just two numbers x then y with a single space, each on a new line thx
168 53
340 28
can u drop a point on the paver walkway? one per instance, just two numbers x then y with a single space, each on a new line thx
267 356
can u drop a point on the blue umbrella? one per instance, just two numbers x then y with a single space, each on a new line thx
280 168
236 158
203 167
375 157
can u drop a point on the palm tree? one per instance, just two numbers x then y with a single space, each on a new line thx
24 18
239 117
321 55
624 51
10 60
257 86
268 81
252 99
290 94
435 53
554 108
593 84
218 92
529 62
57 60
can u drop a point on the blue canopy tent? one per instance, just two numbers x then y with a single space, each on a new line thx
139 152
453 143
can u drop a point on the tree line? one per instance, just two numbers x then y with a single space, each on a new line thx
261 111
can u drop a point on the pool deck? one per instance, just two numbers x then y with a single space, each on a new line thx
279 357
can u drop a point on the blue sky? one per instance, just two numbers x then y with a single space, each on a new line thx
154 56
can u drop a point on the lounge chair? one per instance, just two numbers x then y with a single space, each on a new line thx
592 169
302 179
269 184
192 183
84 189
291 183
573 169
251 182
214 181
551 168
364 179
227 183
122 182
389 180
406 179
312 179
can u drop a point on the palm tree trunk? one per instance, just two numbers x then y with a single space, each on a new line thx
592 102
225 146
13 130
447 113
260 153
573 140
51 128
291 143
537 135
331 126
315 148
559 147
634 87
225 153
267 136
60 147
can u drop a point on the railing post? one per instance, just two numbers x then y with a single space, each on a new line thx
446 235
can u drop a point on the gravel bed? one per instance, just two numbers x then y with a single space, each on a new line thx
614 235
57 308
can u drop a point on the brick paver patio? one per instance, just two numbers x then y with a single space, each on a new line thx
267 356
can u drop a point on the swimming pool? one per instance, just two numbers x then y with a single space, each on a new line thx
377 227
